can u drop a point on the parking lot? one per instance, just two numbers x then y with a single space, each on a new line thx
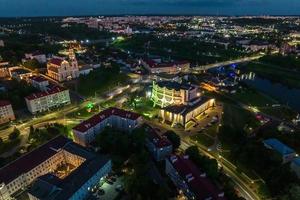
110 189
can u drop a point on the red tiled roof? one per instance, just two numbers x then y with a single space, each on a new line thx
98 118
157 140
29 161
56 61
38 79
4 103
53 90
201 186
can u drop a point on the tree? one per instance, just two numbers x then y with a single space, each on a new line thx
293 193
210 166
14 135
174 138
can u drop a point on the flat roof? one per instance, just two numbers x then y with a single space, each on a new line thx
279 146
174 85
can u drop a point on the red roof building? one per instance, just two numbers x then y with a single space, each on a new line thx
86 131
191 180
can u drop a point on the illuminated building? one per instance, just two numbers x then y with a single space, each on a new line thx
180 103
167 93
86 132
62 70
6 112
51 98
159 146
190 180
19 73
155 67
42 170
182 114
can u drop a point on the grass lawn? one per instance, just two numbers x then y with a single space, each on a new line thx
238 118
203 139
100 80
253 98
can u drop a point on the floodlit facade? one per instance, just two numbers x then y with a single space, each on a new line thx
86 132
166 93
6 112
182 114
44 101
42 163
62 70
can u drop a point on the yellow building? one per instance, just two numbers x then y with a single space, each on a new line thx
182 114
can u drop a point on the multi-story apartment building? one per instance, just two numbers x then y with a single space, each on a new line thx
43 101
62 70
6 112
190 180
166 93
159 146
39 82
85 132
40 169
171 67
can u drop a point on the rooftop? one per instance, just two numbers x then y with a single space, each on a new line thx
175 85
185 109
196 179
279 146
38 79
96 119
56 61
38 95
4 103
32 159
156 139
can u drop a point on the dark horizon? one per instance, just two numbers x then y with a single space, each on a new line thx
45 8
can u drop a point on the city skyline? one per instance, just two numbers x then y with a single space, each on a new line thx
34 8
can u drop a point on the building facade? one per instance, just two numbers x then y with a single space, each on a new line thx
182 114
45 161
190 180
167 93
170 68
62 70
159 146
86 132
41 58
44 101
6 112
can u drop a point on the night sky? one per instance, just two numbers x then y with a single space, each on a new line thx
9 8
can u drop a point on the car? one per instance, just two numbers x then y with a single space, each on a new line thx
119 188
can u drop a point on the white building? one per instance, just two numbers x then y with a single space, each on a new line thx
86 132
44 162
41 58
62 70
155 67
6 112
39 82
43 101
